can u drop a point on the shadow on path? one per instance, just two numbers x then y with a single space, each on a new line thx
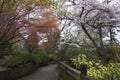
44 73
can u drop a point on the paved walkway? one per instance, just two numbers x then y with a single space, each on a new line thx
44 73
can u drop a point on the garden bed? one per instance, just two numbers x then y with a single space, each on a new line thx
96 69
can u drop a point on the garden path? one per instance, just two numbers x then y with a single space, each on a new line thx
44 73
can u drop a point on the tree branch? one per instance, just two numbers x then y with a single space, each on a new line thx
85 30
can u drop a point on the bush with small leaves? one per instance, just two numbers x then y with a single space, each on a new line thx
16 60
109 72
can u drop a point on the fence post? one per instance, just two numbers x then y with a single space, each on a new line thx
83 70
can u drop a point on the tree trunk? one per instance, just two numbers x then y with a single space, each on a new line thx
100 50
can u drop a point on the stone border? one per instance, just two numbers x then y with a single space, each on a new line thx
20 71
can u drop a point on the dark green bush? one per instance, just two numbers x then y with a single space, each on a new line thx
68 52
52 58
72 51
1 54
39 58
16 60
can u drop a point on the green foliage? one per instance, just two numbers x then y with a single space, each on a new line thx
113 51
71 52
109 72
85 48
1 54
39 58
89 50
52 58
18 60
5 48
68 51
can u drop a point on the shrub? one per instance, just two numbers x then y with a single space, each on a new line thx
1 54
68 53
109 72
72 52
16 60
39 58
52 58
87 49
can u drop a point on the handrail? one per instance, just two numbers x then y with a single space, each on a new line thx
74 73
71 71
70 68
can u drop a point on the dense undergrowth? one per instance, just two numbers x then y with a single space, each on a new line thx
111 71
40 58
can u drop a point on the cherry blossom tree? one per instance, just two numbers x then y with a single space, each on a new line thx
97 19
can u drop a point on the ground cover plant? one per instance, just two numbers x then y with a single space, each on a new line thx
110 71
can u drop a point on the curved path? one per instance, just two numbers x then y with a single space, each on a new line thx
44 73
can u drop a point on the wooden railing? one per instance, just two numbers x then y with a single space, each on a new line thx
66 72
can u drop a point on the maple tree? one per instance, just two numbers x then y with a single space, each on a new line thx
16 22
43 31
9 29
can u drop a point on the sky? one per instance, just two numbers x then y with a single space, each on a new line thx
100 0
